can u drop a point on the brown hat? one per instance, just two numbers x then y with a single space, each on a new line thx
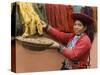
82 17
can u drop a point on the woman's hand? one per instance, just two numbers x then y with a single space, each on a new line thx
55 45
43 24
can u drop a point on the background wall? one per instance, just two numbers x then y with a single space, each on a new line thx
93 53
30 61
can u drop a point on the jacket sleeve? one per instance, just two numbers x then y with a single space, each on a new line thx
82 47
60 36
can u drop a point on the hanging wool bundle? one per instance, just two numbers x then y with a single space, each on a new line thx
30 19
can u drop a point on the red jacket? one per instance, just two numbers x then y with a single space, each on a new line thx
80 51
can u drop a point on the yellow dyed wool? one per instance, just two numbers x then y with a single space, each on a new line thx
30 19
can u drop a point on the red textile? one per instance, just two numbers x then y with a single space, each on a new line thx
80 50
59 16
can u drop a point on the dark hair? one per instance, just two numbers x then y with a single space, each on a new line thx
89 31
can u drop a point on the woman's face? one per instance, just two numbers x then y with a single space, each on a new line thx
78 27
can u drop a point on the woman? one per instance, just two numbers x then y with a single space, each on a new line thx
78 44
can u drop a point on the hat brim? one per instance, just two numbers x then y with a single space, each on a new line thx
82 17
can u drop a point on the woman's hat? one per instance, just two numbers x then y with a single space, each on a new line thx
82 17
